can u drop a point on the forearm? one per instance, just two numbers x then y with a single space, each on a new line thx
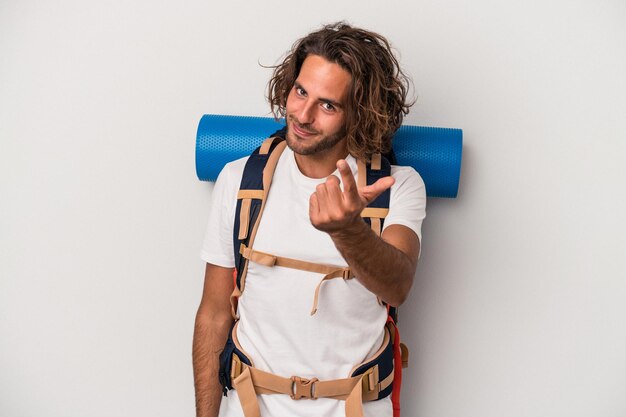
381 267
210 334
384 265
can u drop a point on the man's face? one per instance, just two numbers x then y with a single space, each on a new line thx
316 107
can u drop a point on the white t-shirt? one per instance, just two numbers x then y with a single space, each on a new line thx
275 327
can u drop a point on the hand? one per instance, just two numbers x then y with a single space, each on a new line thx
332 210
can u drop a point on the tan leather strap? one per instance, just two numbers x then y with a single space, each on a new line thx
376 161
330 271
374 214
270 167
244 385
379 213
344 273
244 218
268 173
296 387
376 225
250 194
361 173
354 402
234 296
354 390
272 260
404 354
267 144
250 382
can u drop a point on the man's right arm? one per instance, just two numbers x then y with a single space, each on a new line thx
213 322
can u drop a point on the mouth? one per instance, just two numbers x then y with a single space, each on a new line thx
300 131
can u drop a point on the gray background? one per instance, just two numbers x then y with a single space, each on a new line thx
519 302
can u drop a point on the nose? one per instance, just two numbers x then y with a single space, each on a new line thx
306 113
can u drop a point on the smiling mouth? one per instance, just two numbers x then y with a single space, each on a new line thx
300 130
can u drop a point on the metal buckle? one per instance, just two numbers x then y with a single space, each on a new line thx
303 388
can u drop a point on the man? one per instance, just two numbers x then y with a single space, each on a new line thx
343 96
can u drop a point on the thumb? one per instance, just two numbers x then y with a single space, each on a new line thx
369 193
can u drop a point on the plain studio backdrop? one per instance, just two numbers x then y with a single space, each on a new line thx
519 303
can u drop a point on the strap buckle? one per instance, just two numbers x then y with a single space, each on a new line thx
370 382
236 367
303 388
346 274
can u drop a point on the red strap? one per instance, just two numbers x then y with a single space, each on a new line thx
397 371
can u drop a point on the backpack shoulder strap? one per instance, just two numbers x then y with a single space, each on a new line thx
251 197
374 214
376 211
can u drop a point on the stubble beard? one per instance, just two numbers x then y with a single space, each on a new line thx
321 144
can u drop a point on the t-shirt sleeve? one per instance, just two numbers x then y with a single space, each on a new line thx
217 248
407 205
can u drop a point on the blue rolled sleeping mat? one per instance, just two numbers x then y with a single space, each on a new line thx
434 152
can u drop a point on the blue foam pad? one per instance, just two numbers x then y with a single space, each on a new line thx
434 152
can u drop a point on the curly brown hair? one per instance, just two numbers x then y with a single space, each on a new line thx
377 96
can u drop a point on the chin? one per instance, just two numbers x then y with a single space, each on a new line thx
294 142
316 144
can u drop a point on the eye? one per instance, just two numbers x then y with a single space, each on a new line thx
328 107
300 91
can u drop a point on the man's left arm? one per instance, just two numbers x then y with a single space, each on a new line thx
386 265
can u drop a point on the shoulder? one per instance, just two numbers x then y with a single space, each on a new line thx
227 183
232 172
407 177
407 205
236 166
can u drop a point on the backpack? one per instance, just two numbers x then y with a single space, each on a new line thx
374 379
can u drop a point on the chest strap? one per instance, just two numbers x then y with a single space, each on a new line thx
330 271
251 199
